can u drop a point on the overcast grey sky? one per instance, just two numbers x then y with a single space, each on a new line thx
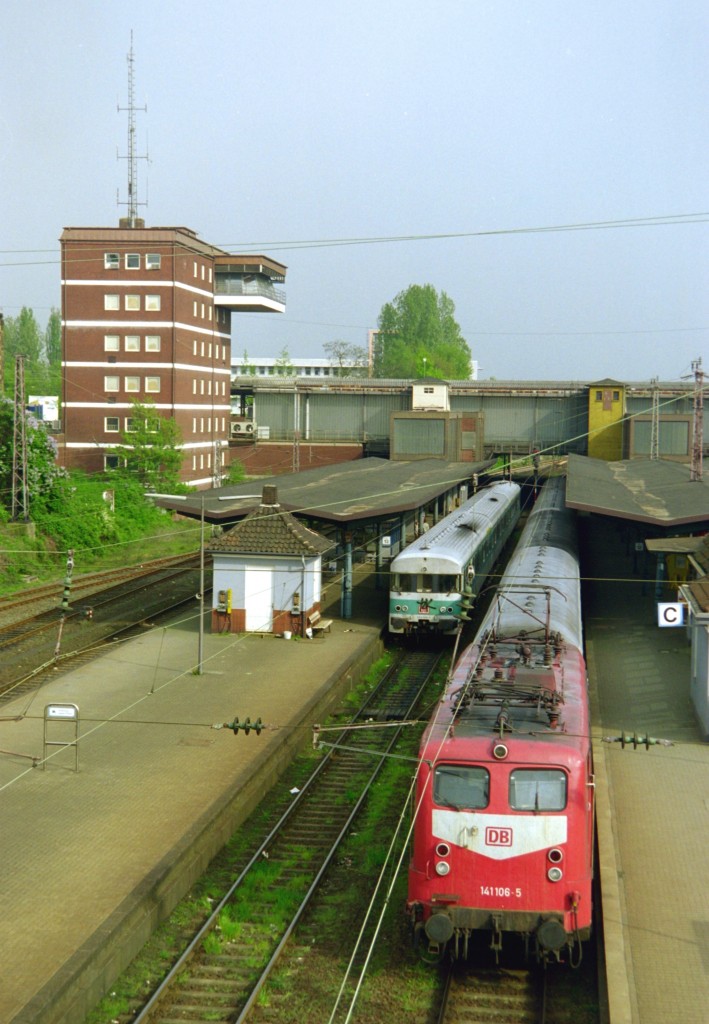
306 120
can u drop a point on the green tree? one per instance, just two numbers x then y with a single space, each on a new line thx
53 339
22 337
284 367
42 469
150 450
350 360
247 367
418 335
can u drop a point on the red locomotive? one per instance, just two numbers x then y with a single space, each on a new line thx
504 825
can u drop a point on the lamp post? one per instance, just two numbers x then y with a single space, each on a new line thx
187 497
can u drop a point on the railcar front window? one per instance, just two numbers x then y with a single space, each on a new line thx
537 789
461 786
404 581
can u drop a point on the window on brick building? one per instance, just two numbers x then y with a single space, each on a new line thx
152 261
111 343
111 424
152 342
132 261
112 461
132 343
152 303
111 261
111 302
112 383
130 424
132 384
152 384
132 302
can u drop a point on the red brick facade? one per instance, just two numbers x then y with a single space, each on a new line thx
140 324
273 458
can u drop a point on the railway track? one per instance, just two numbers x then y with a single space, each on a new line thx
493 996
224 967
32 645
47 596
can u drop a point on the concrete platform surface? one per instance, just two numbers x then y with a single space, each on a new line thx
93 856
653 805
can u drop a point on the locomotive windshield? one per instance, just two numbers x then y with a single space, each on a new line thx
426 583
537 789
457 785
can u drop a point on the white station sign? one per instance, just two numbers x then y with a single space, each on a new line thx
670 613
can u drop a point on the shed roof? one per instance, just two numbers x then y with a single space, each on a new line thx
268 530
698 591
645 490
345 493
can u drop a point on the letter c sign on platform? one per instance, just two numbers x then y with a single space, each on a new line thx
670 614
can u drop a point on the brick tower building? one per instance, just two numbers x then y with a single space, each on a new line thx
146 316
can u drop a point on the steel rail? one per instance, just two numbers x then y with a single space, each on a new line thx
153 1004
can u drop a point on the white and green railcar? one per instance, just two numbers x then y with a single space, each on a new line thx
430 577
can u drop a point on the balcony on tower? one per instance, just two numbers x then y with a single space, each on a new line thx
248 284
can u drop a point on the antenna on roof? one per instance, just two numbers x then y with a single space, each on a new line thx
132 220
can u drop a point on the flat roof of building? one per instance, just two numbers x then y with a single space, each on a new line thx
654 491
348 492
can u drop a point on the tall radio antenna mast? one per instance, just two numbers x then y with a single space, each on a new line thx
132 158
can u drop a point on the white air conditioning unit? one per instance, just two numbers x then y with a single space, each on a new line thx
243 429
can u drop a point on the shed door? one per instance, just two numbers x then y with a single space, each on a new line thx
258 585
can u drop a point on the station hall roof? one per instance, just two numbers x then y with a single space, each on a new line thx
654 491
346 493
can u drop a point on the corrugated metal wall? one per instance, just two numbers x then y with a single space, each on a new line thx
419 439
515 423
523 422
327 415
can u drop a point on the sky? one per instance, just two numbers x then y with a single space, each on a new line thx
304 129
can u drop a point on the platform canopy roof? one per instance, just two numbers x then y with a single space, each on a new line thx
346 493
654 491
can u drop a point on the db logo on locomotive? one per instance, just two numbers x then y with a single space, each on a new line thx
498 837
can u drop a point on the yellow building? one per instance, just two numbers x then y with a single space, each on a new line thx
606 410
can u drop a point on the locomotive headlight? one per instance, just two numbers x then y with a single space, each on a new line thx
443 849
555 856
555 874
500 751
442 868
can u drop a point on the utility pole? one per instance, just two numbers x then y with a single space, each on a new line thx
698 431
217 472
19 446
655 421
296 427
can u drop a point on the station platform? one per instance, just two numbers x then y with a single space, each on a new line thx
652 805
93 859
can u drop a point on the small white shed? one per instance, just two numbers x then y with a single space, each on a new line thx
267 572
